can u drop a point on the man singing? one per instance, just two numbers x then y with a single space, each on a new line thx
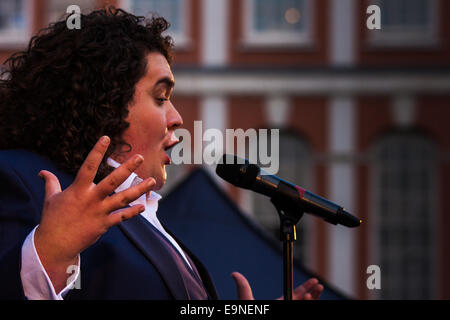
85 121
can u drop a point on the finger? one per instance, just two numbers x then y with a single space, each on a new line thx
88 169
300 291
307 296
316 292
122 199
244 291
121 215
118 176
52 185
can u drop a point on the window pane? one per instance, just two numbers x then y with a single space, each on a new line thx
405 210
405 13
11 15
169 9
278 15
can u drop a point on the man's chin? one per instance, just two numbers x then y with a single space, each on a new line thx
160 181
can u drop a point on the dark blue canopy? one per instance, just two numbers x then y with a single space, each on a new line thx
226 240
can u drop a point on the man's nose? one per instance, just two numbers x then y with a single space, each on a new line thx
174 118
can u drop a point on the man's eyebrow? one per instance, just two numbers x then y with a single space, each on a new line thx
167 81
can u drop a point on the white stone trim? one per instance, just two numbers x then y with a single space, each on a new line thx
403 109
214 49
341 189
342 32
277 109
273 83
214 114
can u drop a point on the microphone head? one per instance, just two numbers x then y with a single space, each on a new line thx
348 220
237 171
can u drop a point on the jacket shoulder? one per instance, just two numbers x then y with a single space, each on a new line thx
19 158
27 165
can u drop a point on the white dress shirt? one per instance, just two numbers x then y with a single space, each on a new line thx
35 280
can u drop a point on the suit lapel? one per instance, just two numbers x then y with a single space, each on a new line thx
148 243
203 272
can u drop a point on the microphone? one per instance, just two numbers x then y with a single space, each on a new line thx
243 174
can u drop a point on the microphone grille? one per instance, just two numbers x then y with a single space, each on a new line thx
237 171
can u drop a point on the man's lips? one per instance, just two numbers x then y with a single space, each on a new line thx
173 140
167 159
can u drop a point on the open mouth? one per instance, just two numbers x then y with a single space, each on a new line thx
168 149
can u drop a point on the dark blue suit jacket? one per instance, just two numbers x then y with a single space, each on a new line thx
127 262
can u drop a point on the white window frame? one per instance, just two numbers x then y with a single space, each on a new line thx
182 38
19 38
393 37
251 38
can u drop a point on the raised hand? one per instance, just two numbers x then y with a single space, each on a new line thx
310 290
74 219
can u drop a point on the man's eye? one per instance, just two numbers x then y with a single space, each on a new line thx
161 100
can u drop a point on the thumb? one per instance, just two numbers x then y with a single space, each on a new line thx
52 185
244 291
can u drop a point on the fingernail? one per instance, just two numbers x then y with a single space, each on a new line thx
105 140
139 159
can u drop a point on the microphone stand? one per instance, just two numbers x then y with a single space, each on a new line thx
289 214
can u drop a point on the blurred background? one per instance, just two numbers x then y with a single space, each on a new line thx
363 117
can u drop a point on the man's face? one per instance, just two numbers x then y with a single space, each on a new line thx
152 119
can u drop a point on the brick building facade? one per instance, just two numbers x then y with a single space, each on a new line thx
363 118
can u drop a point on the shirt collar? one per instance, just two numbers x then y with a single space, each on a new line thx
131 181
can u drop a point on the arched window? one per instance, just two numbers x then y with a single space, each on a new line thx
295 167
404 215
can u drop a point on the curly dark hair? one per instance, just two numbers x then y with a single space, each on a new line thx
70 87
